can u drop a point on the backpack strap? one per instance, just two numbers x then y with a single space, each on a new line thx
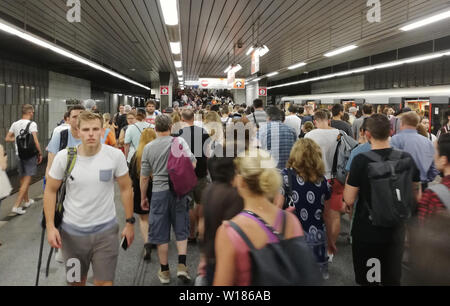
260 220
336 154
242 234
443 194
71 160
256 122
27 129
63 139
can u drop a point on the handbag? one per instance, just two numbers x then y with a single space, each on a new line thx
5 185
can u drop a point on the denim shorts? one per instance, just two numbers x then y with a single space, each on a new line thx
167 211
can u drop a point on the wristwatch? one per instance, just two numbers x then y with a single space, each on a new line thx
132 220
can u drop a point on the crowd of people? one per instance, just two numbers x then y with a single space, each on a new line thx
266 170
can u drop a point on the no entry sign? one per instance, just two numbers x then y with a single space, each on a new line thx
263 92
165 90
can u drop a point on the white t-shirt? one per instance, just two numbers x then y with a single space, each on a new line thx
60 128
90 195
327 140
20 125
294 123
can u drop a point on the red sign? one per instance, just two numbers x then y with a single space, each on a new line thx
205 83
263 92
164 90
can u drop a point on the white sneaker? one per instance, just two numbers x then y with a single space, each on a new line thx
18 210
29 203
330 258
59 257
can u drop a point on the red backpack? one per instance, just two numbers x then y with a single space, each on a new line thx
182 177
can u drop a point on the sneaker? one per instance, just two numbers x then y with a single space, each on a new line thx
29 203
330 258
182 273
147 252
18 210
59 257
164 276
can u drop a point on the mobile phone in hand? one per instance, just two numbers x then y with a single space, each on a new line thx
124 243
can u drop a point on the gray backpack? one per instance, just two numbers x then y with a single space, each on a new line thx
343 150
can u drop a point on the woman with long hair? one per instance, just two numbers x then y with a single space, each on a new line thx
305 188
257 181
109 131
148 135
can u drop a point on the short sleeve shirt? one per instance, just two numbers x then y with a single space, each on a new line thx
20 125
90 190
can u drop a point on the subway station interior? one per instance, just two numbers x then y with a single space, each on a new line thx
388 53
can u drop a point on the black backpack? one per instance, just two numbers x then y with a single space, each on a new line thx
26 146
391 189
64 139
285 263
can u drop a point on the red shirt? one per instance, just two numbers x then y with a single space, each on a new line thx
430 202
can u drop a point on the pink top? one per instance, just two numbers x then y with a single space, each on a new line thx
243 263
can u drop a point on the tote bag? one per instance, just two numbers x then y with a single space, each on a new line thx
5 185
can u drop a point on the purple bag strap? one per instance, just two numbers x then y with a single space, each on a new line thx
269 230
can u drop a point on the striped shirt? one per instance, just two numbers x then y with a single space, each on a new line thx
278 139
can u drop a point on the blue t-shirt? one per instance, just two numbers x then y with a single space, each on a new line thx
362 148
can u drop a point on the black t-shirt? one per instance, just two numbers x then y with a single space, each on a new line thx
196 137
362 229
343 126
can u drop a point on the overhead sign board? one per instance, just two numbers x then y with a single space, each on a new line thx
255 62
239 84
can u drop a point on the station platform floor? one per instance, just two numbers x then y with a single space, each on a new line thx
20 236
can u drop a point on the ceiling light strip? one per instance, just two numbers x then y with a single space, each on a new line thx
369 68
44 44
426 21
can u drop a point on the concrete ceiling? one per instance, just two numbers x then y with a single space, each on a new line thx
130 34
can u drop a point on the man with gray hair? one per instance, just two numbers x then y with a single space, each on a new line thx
167 209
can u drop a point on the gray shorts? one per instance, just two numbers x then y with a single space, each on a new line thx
102 250
27 167
166 211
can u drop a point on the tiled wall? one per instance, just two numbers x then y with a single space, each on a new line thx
61 88
21 84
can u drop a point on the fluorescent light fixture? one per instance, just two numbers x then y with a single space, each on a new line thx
273 74
237 68
340 50
416 59
178 64
263 50
42 43
250 51
175 47
297 66
170 11
426 21
180 73
257 80
228 69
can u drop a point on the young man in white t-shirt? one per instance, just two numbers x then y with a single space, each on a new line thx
150 108
293 121
326 137
27 168
89 231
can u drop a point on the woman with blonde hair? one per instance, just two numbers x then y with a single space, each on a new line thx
214 127
257 181
148 135
305 188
